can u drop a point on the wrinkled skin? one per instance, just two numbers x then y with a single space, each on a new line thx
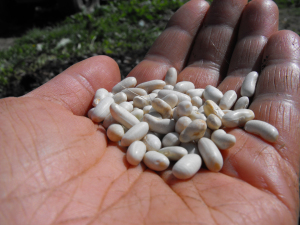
57 167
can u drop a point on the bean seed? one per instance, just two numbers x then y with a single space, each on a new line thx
193 131
171 139
197 101
210 107
237 118
262 129
140 102
132 92
135 133
102 109
100 94
182 123
138 113
248 86
210 154
213 122
120 97
126 105
115 132
242 103
195 92
162 107
156 161
161 126
151 85
181 96
187 166
168 87
171 76
123 116
171 99
228 99
184 108
184 86
173 152
212 93
128 82
152 142
222 139
135 153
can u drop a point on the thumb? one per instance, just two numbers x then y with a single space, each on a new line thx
75 87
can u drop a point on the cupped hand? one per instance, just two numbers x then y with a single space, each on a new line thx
57 166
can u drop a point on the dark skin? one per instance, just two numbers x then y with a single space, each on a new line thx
57 166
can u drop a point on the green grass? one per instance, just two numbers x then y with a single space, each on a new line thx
115 29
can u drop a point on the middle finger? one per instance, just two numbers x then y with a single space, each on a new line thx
214 43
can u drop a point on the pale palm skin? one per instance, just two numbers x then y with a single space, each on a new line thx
56 166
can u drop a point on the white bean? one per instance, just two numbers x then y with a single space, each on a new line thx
237 118
171 139
171 99
248 86
123 116
132 92
181 96
212 93
197 101
168 87
173 153
147 109
140 102
222 139
156 161
152 142
184 108
135 153
151 85
120 97
171 76
187 166
127 105
115 132
210 154
183 86
161 126
228 100
195 92
138 113
197 115
102 109
162 107
182 123
193 131
100 94
135 133
262 129
213 122
210 107
109 120
128 82
242 103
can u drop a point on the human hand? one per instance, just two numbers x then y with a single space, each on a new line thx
57 167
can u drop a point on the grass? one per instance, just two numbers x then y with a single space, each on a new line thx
114 29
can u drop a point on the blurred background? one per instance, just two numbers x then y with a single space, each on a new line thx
41 38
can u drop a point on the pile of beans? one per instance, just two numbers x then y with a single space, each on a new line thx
162 121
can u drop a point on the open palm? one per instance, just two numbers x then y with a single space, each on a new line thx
57 167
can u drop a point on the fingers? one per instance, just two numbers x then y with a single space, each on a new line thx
214 43
75 87
277 94
173 45
259 21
